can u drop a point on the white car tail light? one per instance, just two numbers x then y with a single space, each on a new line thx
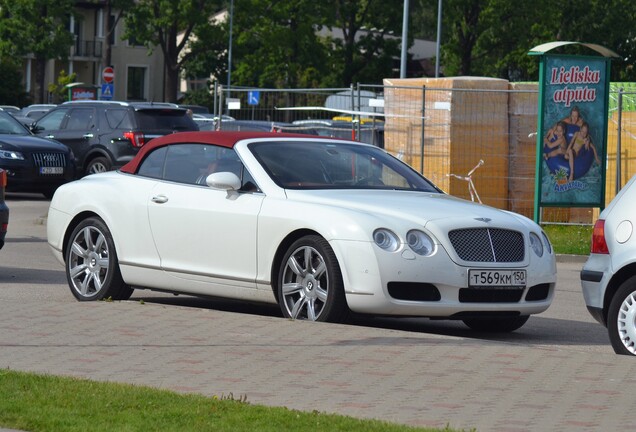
599 245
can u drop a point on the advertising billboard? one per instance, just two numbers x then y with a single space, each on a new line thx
574 96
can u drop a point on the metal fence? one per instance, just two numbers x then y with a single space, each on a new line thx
464 133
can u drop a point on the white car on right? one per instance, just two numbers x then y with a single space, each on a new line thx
608 277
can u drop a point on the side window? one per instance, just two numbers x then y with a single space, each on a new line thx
152 165
185 163
81 119
226 160
52 120
192 163
118 119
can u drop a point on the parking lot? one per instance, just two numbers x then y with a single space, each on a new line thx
558 372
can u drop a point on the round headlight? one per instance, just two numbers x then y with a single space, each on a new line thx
535 243
546 240
386 239
420 242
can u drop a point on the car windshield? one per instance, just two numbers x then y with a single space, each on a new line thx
333 165
9 125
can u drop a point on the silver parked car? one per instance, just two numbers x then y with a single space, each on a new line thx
608 277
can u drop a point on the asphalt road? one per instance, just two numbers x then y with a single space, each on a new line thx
558 372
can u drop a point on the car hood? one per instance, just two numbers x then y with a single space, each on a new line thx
30 143
416 207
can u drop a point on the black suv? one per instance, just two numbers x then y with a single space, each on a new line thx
105 135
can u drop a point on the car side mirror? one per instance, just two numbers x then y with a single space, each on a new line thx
226 181
35 128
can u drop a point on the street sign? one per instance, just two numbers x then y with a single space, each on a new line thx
233 103
107 91
108 75
253 97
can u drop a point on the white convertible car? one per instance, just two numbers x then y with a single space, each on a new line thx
322 227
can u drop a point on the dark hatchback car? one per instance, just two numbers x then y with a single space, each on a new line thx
106 135
4 210
32 164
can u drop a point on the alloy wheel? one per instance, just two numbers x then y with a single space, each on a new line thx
305 284
88 262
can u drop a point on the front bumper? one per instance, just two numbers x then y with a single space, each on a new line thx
368 271
26 178
56 224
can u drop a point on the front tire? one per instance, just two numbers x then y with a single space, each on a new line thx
310 283
98 165
92 268
621 318
496 325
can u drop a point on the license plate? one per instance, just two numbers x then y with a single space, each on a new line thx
496 278
51 170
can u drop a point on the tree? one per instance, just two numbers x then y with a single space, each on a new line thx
367 49
493 37
37 27
59 90
12 91
118 7
304 43
497 42
170 24
276 44
207 52
609 23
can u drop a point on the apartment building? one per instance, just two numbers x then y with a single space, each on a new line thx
138 75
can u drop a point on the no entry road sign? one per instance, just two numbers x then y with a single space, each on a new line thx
108 75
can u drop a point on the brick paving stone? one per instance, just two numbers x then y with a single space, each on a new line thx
412 378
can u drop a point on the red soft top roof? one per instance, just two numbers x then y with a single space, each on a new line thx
221 138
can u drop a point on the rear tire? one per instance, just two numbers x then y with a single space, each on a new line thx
621 318
496 325
92 268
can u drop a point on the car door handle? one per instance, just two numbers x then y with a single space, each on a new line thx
160 199
88 135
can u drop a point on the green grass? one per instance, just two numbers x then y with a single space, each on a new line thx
570 239
33 402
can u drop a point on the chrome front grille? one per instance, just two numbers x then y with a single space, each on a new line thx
488 244
49 159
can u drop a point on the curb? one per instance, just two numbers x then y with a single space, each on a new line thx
567 258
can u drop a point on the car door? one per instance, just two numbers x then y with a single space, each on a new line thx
73 127
78 132
200 233
50 124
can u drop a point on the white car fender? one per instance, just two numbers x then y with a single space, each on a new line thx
275 224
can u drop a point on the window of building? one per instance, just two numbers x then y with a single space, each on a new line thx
111 29
136 85
77 37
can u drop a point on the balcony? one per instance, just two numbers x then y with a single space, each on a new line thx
86 48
